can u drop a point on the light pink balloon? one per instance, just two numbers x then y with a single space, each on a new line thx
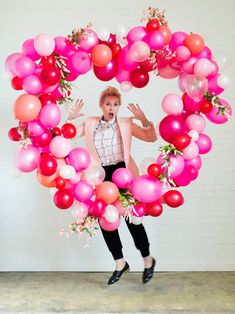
24 66
182 53
50 115
168 72
10 62
109 226
155 40
90 40
196 162
187 66
181 81
44 44
176 165
196 122
135 34
202 67
32 85
214 69
28 49
79 210
146 189
139 51
172 104
36 128
204 143
79 158
177 39
122 177
26 159
191 151
122 75
60 147
82 191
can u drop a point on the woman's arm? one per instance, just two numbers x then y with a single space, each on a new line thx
146 133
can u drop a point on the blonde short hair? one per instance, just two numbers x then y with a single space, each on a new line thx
110 91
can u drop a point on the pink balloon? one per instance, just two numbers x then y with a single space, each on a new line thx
146 189
36 127
155 40
187 66
122 75
125 60
122 177
191 151
176 165
60 45
121 209
168 72
79 158
24 66
109 226
170 126
26 159
196 122
90 40
202 67
177 39
60 147
214 70
139 51
50 115
32 85
182 53
220 118
197 162
10 62
82 191
189 174
172 104
28 49
80 62
204 143
44 44
135 34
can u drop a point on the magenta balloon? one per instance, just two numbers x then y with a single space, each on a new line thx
108 72
190 104
204 143
32 85
109 226
219 118
79 158
139 210
35 127
213 87
122 75
125 60
197 162
82 191
24 66
60 45
26 159
155 39
146 189
122 177
97 209
81 62
206 53
177 39
136 33
182 180
28 49
50 115
43 139
170 126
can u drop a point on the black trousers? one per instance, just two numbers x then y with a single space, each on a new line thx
138 232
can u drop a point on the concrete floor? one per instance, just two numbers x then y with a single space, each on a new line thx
75 292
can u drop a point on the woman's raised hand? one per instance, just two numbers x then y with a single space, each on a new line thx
75 111
137 112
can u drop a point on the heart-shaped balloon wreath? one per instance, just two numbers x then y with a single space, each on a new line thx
44 69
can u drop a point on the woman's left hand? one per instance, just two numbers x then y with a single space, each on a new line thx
137 112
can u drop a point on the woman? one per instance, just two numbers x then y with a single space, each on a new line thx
108 139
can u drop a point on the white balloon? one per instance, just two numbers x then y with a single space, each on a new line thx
126 86
67 171
103 33
111 213
223 60
194 135
223 81
145 163
94 174
121 34
136 220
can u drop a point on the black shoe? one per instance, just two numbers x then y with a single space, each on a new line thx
148 272
117 274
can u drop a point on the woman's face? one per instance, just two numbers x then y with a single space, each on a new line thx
110 107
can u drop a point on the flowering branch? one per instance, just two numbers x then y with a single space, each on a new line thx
154 13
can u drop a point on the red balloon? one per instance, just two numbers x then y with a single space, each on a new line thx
116 50
205 106
46 99
153 25
56 131
154 209
173 198
68 130
181 141
14 135
97 208
16 83
139 78
154 170
170 126
107 72
43 139
148 65
60 183
50 75
63 199
139 210
47 164
112 39
48 61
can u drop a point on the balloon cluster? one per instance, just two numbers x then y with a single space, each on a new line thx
44 69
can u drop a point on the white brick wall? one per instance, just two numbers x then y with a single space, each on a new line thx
198 236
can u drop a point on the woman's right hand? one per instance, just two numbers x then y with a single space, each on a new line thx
75 111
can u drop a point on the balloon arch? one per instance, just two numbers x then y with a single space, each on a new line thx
44 70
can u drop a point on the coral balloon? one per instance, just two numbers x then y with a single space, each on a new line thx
26 108
101 55
107 192
195 43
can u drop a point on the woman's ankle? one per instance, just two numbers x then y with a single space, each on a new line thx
120 263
